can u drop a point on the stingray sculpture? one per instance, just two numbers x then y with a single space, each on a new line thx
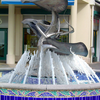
48 32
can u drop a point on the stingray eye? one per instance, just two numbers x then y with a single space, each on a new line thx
32 23
46 22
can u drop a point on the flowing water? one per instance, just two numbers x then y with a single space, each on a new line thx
50 68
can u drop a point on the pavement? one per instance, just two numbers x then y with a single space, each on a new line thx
95 66
3 66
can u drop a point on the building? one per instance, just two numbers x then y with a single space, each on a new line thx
96 31
14 37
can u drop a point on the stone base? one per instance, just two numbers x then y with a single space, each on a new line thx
10 59
87 60
17 58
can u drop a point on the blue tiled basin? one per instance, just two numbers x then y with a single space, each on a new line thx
49 92
11 93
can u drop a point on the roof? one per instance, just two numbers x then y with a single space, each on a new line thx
18 2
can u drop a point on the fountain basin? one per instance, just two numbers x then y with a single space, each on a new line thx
28 92
11 91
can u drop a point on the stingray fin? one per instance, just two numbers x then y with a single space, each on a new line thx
48 46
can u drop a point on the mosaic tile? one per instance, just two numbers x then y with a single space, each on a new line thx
97 91
93 93
39 92
11 92
46 94
25 92
57 99
39 98
31 94
82 98
79 92
90 91
4 90
26 98
31 98
15 91
19 93
18 98
98 97
91 98
71 94
76 98
74 92
69 98
2 97
60 94
84 93
94 97
66 93
87 98
52 94
1 92
7 98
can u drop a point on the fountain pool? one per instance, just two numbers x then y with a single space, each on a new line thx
49 92
35 91
34 79
50 68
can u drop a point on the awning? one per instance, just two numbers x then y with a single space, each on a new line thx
18 2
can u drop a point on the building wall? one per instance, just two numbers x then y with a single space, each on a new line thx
98 43
18 34
97 29
81 20
84 26
4 19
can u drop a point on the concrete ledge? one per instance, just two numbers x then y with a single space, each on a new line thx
74 87
22 86
50 87
6 69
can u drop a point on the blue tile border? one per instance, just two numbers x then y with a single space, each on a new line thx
2 97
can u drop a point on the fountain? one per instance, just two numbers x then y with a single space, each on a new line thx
51 71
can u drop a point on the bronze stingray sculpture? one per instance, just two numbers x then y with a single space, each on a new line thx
48 32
